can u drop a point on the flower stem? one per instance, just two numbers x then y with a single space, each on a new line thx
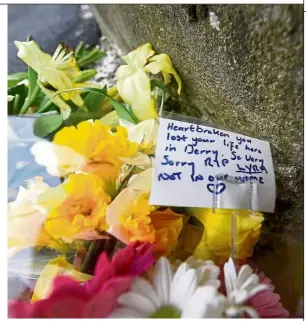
95 249
27 104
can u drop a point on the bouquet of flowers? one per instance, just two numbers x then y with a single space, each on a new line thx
114 255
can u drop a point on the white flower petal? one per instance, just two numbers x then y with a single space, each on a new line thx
249 283
244 273
162 279
207 273
206 302
238 296
250 311
137 302
143 287
138 159
230 276
183 288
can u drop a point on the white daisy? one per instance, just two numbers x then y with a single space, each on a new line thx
240 288
207 271
170 295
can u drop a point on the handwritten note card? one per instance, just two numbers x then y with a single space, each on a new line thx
193 162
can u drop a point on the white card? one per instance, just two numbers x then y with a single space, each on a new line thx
192 162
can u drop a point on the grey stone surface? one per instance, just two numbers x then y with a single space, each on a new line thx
242 66
49 24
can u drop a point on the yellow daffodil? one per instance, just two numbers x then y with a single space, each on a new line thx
90 147
58 71
26 218
76 208
55 267
217 237
144 134
59 160
131 218
134 84
162 63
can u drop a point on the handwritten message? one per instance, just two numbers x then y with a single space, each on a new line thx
195 165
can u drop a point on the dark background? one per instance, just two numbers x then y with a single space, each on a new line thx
49 25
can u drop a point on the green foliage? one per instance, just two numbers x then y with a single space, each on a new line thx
85 75
85 56
94 100
14 79
46 124
123 112
33 91
20 93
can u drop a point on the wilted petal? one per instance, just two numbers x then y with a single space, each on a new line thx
57 100
135 89
32 55
144 134
163 63
138 57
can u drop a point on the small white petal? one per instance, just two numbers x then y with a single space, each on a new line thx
207 272
205 303
238 296
137 302
183 288
230 276
162 279
182 269
143 287
122 312
250 311
244 274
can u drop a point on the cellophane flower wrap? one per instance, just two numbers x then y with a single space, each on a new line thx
83 240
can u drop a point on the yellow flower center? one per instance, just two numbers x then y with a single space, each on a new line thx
73 206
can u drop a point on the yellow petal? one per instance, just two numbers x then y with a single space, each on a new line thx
59 160
144 134
57 100
24 224
32 55
168 226
120 205
217 236
138 57
163 63
135 89
142 181
57 71
138 159
55 267
25 212
65 61
110 119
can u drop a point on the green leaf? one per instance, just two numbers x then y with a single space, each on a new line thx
14 79
85 56
159 84
123 113
22 92
32 74
79 116
34 90
94 100
85 75
46 124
